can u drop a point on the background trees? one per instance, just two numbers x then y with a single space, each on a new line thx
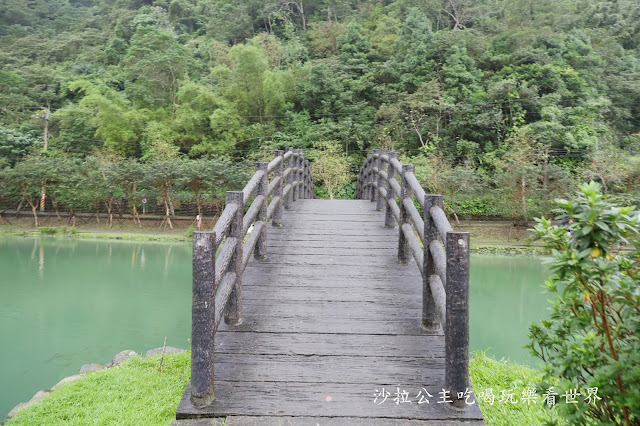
453 82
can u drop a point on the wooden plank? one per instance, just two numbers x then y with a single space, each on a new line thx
330 421
322 399
368 345
329 369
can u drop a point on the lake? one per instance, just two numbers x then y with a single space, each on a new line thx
65 303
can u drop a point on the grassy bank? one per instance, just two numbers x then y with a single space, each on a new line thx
137 392
486 236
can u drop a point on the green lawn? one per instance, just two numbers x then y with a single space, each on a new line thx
136 393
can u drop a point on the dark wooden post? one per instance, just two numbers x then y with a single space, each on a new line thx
301 161
374 176
203 314
262 189
307 179
294 172
288 202
389 220
381 200
277 192
233 314
429 316
404 251
457 323
367 181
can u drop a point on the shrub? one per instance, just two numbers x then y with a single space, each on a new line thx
48 230
591 342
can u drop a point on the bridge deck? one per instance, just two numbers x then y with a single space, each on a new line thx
329 320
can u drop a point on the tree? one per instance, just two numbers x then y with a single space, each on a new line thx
590 343
330 166
28 177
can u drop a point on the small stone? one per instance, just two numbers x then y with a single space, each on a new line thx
121 357
92 367
37 397
167 350
66 380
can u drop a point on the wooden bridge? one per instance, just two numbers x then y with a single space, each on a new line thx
350 312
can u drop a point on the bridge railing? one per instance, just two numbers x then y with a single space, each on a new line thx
220 256
441 253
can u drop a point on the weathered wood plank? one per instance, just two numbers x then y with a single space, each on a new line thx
366 345
322 399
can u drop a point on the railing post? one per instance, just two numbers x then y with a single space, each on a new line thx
277 192
389 220
307 179
233 313
367 181
374 176
381 200
430 233
404 251
262 189
300 174
289 200
457 323
203 313
294 172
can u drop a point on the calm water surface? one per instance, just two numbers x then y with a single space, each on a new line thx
64 303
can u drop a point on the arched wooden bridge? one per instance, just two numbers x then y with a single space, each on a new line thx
343 312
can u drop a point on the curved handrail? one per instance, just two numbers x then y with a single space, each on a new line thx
220 256
442 254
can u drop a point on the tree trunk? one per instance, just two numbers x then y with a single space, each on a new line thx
171 210
168 217
34 211
109 205
199 203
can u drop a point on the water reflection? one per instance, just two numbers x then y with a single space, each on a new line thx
67 302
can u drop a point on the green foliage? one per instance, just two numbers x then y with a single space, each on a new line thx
133 393
591 340
48 230
330 167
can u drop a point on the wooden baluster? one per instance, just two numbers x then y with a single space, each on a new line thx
457 323
262 189
381 181
300 174
233 312
294 172
404 251
277 192
203 318
430 233
374 177
289 200
307 179
367 190
389 219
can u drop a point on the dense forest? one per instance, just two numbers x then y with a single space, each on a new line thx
502 105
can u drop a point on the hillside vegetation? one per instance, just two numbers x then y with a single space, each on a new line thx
502 105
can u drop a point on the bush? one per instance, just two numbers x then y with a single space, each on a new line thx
591 342
189 232
48 230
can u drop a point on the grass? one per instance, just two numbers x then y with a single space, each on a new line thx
133 393
487 373
136 393
52 232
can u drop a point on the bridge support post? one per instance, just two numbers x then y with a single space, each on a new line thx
277 192
203 313
429 316
380 184
262 189
307 179
389 220
290 164
233 313
404 251
367 179
301 182
457 323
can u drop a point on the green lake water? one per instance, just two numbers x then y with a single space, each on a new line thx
64 303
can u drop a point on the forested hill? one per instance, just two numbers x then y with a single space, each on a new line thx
502 99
